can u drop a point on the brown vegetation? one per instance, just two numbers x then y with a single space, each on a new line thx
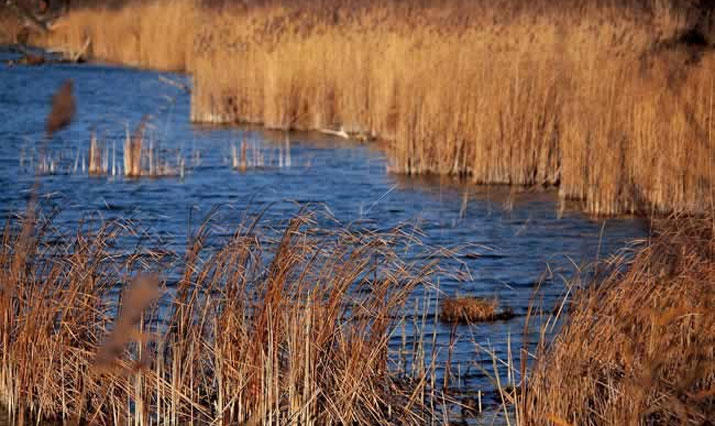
10 28
612 102
292 330
638 348
469 309
63 109
155 35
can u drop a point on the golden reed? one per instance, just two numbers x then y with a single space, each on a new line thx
638 346
612 103
297 333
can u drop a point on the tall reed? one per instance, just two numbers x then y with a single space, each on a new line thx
637 347
273 328
610 101
601 100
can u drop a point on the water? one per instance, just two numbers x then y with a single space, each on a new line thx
517 234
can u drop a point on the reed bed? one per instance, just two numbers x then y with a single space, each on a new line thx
156 35
612 102
602 101
286 326
638 346
10 28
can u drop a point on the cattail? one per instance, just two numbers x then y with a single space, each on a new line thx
63 109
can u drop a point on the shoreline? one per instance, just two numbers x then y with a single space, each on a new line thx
609 137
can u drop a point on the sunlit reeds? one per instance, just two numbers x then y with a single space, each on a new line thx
285 328
637 347
139 154
611 102
246 156
470 310
97 157
598 100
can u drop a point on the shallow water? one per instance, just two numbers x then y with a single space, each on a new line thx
516 234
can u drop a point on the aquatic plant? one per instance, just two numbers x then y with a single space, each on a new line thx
470 309
97 164
610 102
287 327
638 346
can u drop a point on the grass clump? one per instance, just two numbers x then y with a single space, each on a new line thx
637 348
282 327
470 309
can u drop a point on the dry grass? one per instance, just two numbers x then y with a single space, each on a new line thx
638 348
292 330
602 99
596 100
155 35
10 27
469 309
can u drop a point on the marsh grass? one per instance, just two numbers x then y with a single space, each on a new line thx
286 328
610 101
637 346
600 100
471 309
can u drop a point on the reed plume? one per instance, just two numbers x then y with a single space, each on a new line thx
63 109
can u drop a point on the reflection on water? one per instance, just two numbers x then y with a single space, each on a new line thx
512 235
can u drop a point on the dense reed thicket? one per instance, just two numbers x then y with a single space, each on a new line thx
156 35
610 101
638 347
601 100
270 327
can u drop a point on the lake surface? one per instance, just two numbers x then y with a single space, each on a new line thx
515 234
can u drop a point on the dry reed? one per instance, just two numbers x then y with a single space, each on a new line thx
612 102
638 347
469 309
286 330
597 100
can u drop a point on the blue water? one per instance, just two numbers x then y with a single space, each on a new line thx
514 238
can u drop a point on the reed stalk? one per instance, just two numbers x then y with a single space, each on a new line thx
611 102
276 328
